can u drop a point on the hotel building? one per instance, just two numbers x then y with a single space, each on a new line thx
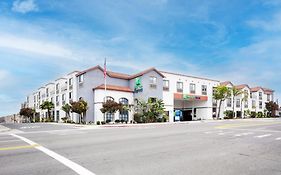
185 97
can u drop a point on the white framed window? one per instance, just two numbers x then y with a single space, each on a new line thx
237 103
70 81
229 102
70 95
260 104
204 89
254 104
166 85
260 95
81 78
246 104
268 97
152 80
179 86
192 88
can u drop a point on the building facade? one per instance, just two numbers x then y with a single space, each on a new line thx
185 97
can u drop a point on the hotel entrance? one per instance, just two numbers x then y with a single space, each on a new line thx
187 106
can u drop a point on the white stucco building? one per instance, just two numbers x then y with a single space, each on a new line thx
185 97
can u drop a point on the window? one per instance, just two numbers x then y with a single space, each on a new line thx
229 102
238 103
52 100
253 104
260 104
63 99
260 95
81 78
251 95
246 104
70 85
47 92
70 95
109 117
268 97
153 81
58 114
192 88
57 100
204 89
166 85
109 98
57 88
179 86
124 114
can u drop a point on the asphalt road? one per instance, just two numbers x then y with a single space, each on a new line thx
244 147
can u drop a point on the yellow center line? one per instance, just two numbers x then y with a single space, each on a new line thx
19 147
245 125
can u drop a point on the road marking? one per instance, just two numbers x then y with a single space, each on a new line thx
243 134
279 138
245 125
70 164
19 147
12 140
262 136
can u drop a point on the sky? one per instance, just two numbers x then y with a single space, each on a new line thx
42 40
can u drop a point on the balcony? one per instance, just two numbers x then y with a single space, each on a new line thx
70 87
57 91
63 102
57 103
52 93
179 90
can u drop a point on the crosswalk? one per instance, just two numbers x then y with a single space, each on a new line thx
240 134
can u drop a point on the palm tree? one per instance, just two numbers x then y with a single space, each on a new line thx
221 94
47 105
244 98
235 92
66 108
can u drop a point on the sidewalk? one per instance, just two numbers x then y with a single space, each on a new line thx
4 129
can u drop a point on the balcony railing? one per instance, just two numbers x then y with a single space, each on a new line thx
179 90
70 87
166 88
64 88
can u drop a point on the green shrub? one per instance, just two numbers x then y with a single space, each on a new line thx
98 123
122 121
253 114
103 122
228 114
260 115
107 121
139 118
117 121
64 119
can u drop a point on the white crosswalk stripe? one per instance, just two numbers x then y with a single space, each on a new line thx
279 138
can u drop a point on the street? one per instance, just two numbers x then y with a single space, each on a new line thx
245 147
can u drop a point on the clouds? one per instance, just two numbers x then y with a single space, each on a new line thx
24 6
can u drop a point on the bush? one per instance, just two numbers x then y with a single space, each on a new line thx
70 121
260 115
64 119
117 121
122 121
107 121
139 118
253 114
98 123
103 122
228 114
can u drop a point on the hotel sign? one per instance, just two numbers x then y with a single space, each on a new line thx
188 97
138 85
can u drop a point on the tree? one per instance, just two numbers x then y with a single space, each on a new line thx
111 107
221 93
47 105
80 107
66 108
235 92
150 111
244 98
27 112
272 107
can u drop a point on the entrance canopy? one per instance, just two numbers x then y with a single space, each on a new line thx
188 97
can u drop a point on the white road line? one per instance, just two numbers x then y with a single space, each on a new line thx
13 140
262 136
72 165
279 138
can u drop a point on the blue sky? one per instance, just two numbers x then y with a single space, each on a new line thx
41 40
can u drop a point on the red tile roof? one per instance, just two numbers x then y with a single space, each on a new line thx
241 86
114 88
121 75
226 83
